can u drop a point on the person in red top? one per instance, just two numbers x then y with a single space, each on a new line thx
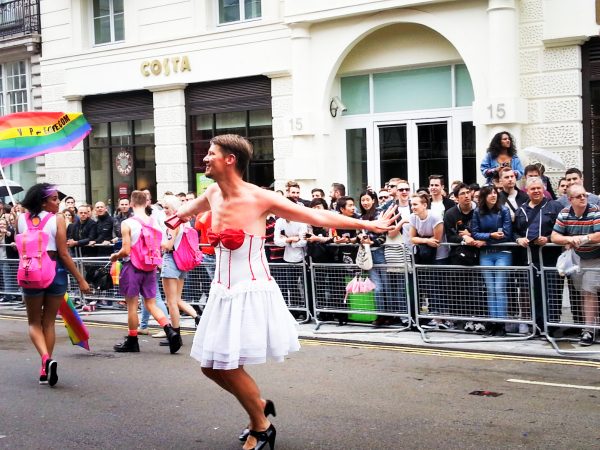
202 225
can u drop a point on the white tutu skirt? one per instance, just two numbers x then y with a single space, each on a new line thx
244 325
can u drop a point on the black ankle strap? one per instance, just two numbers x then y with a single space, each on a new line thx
260 435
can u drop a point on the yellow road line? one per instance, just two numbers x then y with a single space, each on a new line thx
420 351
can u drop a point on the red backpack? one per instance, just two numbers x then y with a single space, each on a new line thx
145 253
187 256
36 268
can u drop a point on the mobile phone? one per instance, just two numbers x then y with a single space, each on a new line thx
500 230
173 222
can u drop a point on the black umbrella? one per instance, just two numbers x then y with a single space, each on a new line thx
13 185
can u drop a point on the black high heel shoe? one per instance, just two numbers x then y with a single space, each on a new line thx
269 410
264 437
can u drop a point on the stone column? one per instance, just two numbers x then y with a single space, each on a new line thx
300 124
502 108
170 139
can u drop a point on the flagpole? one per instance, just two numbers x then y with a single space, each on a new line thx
7 186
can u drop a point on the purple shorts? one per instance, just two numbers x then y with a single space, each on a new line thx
133 282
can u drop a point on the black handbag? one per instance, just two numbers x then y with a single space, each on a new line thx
465 255
100 278
424 254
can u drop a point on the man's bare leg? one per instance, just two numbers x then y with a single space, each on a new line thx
239 383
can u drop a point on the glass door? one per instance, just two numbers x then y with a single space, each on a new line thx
412 150
432 150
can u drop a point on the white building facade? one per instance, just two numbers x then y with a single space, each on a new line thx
350 91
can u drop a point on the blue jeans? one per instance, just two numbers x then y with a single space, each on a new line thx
159 302
379 277
495 281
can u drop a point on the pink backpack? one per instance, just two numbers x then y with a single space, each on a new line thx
187 256
145 253
36 268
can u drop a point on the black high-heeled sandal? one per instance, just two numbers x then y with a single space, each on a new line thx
269 410
264 437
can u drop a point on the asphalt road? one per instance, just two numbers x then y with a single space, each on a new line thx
328 396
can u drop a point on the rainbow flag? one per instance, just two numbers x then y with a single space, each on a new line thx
76 329
25 135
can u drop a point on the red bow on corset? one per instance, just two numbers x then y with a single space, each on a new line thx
230 238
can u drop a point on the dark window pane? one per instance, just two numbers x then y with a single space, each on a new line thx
393 152
469 162
356 157
433 151
199 151
252 9
229 11
231 123
595 134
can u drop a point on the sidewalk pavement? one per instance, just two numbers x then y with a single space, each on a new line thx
356 333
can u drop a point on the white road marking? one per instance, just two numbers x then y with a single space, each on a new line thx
543 383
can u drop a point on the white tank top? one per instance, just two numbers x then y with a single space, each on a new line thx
136 230
49 228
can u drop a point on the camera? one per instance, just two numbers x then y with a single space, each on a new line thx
336 105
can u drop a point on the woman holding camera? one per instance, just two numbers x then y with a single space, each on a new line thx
492 223
368 209
501 153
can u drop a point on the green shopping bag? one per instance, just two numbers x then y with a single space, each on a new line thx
358 300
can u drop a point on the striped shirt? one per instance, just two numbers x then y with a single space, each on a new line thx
569 224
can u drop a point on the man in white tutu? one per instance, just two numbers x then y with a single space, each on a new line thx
246 319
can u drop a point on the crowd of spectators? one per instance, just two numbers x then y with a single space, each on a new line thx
518 205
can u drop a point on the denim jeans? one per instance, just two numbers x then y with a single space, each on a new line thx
379 277
159 302
495 281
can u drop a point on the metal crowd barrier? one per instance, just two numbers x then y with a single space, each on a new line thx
389 300
10 292
406 294
293 283
291 279
454 295
564 303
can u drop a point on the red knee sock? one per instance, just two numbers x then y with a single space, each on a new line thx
45 358
132 333
163 322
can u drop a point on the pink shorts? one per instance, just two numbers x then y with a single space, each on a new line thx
133 282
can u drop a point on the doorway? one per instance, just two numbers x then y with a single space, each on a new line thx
413 150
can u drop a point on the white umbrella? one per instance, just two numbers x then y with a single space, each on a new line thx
8 187
546 157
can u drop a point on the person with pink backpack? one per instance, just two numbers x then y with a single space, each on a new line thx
44 260
141 256
181 254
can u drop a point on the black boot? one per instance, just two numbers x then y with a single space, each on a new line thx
173 337
165 342
130 344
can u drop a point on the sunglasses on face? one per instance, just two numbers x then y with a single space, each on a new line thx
579 197
392 186
383 197
404 189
